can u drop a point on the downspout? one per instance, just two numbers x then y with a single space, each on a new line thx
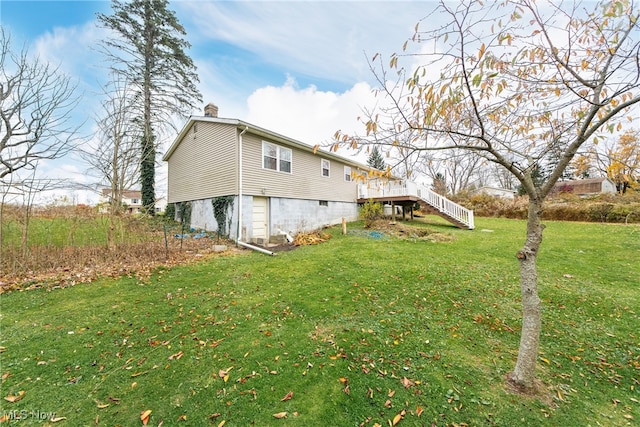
256 248
239 230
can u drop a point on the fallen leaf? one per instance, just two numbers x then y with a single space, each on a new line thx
223 422
288 396
224 372
144 416
406 382
182 417
57 419
346 389
398 417
177 355
387 404
419 411
14 398
343 380
280 415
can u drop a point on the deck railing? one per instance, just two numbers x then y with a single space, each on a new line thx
380 189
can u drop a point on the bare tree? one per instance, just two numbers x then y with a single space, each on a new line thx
113 154
459 168
523 86
36 103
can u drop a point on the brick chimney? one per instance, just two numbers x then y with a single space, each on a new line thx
211 110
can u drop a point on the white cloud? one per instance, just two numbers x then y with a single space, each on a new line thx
308 114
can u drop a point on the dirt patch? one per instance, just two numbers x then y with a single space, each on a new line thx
401 230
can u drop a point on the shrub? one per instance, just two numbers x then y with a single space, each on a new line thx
370 212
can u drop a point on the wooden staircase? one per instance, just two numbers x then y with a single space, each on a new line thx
403 191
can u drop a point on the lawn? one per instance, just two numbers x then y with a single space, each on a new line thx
362 329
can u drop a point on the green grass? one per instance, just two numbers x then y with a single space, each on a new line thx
359 329
76 231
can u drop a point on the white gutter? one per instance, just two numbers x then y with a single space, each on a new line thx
255 248
239 230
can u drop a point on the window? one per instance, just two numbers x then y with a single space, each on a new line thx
347 173
325 164
324 203
275 157
135 201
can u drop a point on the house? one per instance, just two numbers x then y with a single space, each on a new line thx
496 192
253 184
131 200
586 187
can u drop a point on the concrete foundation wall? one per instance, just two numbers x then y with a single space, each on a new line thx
294 215
291 216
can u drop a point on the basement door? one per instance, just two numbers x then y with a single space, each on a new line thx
260 218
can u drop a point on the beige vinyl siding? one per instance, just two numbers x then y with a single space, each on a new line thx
204 164
305 180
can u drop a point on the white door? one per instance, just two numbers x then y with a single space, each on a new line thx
260 217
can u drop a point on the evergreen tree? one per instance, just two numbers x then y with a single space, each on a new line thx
148 50
375 159
439 184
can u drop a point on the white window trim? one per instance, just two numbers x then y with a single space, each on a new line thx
279 150
322 168
347 174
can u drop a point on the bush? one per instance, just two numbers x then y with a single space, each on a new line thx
370 212
612 208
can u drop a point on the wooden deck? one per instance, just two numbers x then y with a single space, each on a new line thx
407 193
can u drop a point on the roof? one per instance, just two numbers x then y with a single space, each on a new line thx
257 130
585 181
129 194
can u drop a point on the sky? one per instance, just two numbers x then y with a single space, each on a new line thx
298 68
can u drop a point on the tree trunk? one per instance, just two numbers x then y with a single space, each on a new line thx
148 149
523 375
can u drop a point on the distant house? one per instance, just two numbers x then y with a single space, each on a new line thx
586 187
131 200
496 192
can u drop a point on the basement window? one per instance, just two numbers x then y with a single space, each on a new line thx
323 203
